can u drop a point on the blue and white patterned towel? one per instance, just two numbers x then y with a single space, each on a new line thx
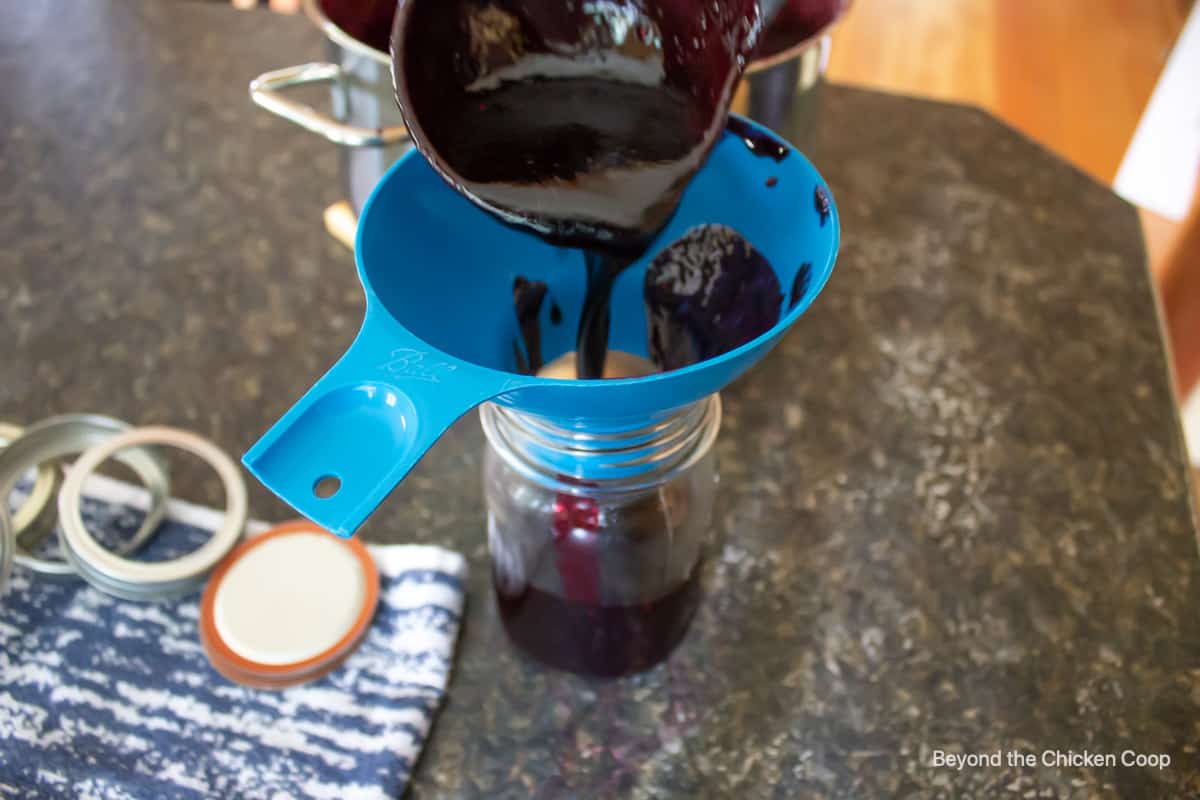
103 698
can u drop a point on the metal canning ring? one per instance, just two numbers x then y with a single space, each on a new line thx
62 436
44 485
45 524
143 580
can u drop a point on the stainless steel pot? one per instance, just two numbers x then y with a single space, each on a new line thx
784 91
364 120
781 92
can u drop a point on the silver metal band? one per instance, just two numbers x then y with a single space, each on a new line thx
65 435
44 485
141 580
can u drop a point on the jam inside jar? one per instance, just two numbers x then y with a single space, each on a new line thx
597 538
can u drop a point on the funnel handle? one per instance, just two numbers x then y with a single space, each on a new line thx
345 445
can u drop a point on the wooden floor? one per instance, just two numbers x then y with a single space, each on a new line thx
1072 74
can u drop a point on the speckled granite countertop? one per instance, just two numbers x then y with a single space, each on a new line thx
955 506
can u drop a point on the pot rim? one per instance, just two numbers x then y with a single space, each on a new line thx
313 10
798 49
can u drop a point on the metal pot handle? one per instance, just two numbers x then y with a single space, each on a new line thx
267 92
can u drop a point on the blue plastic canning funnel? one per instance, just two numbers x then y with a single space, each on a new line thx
438 335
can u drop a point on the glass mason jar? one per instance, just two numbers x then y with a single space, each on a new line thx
597 535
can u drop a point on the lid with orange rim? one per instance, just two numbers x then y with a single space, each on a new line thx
288 606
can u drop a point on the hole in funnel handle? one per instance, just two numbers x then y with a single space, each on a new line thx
327 486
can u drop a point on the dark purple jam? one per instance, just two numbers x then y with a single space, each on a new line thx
592 639
579 122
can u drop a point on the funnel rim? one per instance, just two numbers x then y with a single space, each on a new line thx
515 380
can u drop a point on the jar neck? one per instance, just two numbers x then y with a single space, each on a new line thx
623 455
